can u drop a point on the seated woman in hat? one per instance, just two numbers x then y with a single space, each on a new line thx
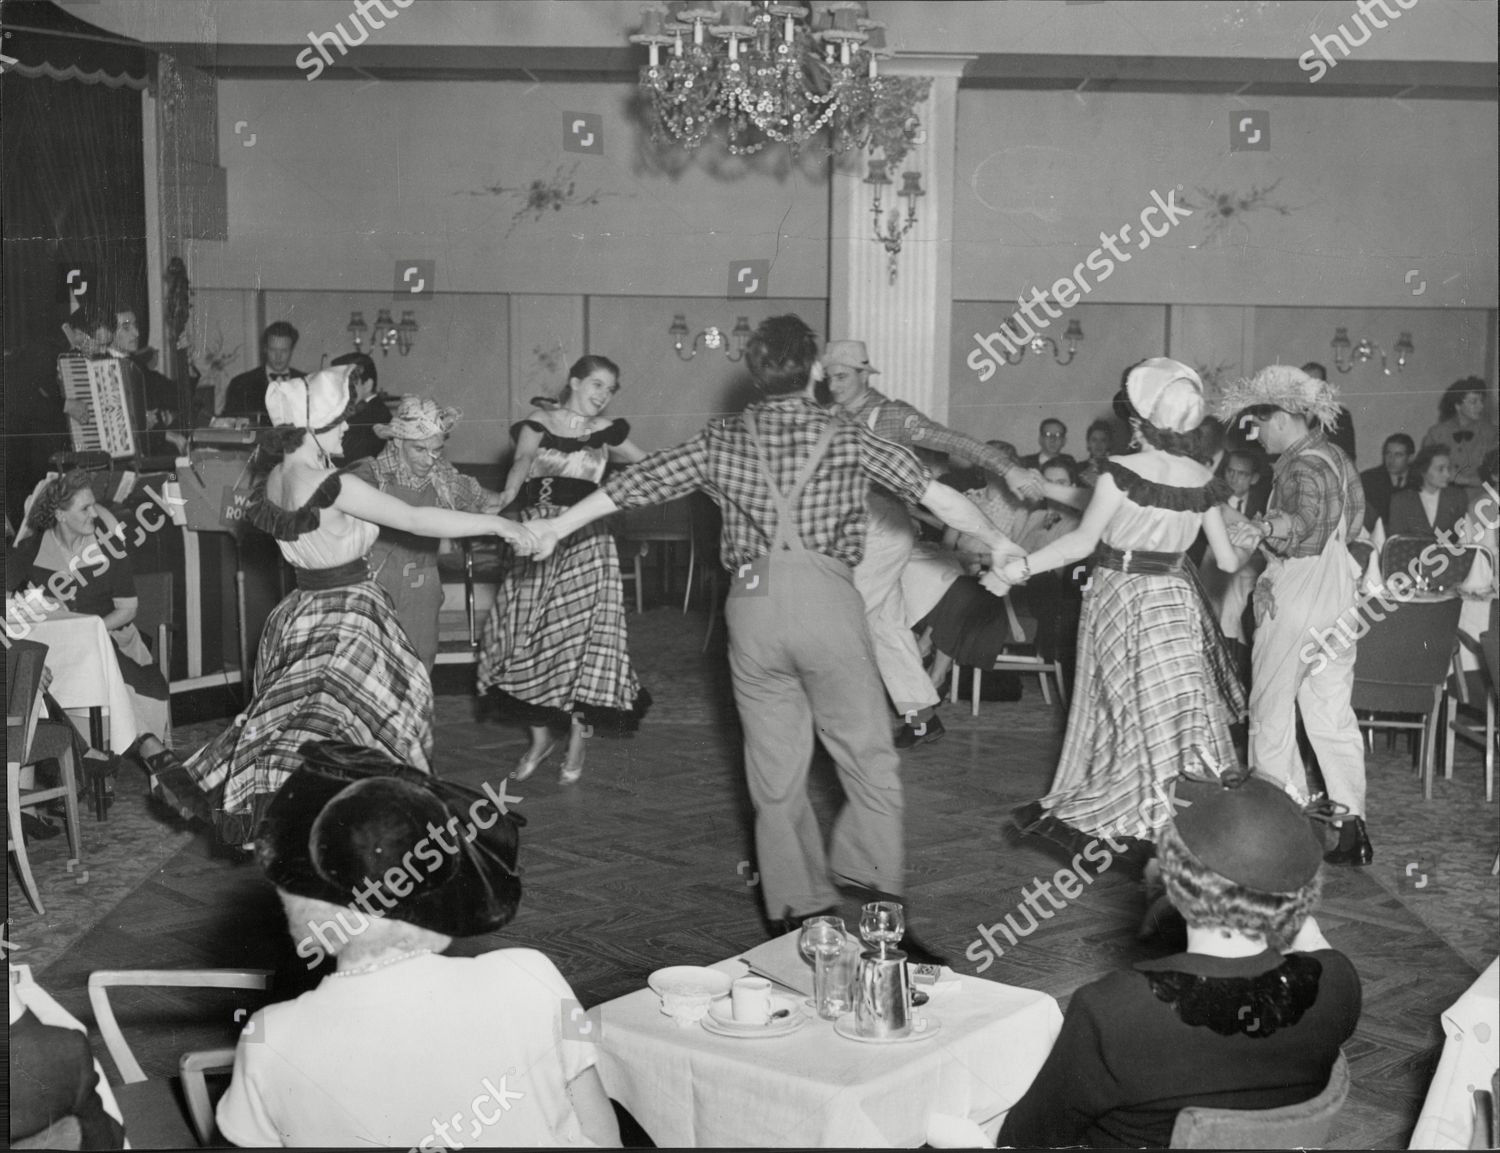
334 660
1235 1022
382 867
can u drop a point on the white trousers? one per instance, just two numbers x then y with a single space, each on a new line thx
889 539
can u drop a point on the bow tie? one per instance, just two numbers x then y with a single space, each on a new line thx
1461 437
278 376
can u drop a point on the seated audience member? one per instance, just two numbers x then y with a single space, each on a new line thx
53 1078
368 406
1481 526
1244 1019
83 566
1465 428
414 1043
1432 504
1342 433
1387 478
966 624
1051 436
1100 440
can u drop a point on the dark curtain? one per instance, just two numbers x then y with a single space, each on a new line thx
73 197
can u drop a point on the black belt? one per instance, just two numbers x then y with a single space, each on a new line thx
340 576
1139 561
557 491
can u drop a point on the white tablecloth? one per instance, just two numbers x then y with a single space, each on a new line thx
689 1087
49 1012
1470 1057
85 670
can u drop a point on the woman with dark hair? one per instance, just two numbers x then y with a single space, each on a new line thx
1430 503
355 846
1100 441
1251 1016
1156 686
78 554
334 661
1464 428
555 651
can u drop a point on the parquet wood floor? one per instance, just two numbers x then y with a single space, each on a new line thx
649 862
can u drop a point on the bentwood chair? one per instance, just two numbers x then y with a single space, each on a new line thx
1302 1126
1465 686
29 740
155 1117
1020 656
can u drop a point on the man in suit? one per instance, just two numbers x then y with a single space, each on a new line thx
246 395
1387 479
1229 593
1342 433
1051 437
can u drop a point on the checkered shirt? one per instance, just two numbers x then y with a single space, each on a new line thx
721 462
1308 491
900 423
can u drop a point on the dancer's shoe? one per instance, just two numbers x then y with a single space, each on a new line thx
1354 846
572 770
532 761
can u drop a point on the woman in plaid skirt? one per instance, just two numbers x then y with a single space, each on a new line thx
334 662
1156 688
554 652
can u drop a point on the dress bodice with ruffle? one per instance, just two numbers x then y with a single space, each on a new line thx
579 458
303 536
1157 517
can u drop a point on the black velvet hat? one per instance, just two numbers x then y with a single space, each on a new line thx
352 823
1247 829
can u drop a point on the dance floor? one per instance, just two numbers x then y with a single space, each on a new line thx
649 862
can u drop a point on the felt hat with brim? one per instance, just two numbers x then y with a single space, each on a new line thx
441 855
316 402
849 354
1166 393
1248 830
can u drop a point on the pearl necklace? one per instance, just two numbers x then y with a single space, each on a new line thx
360 970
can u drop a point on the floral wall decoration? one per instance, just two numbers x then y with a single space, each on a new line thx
1222 211
544 194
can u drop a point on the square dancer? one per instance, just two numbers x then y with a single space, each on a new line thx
790 478
890 535
1311 581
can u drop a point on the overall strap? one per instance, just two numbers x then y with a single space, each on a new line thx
786 503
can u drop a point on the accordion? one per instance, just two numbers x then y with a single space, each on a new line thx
103 388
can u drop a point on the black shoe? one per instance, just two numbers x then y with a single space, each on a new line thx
1354 846
909 736
37 828
792 922
1027 818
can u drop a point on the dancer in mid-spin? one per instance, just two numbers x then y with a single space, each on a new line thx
1156 687
554 652
334 663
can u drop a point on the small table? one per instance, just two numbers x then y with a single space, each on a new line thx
690 1087
1470 1056
85 674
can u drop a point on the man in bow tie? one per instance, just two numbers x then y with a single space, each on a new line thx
246 395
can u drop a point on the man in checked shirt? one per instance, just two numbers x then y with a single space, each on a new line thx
790 478
1310 583
891 536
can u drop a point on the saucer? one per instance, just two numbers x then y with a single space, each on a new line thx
720 1019
844 1027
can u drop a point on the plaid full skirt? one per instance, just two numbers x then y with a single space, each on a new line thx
334 664
555 645
1146 705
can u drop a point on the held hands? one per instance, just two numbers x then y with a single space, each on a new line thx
1245 534
994 583
1013 572
518 536
546 540
1026 483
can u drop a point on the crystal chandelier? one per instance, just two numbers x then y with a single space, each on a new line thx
770 71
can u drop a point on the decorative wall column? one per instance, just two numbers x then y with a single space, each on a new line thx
904 323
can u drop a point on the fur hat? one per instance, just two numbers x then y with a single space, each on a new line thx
1248 831
1166 393
417 418
352 821
315 402
1286 388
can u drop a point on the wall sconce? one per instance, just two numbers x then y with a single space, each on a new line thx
1072 337
733 343
1346 356
388 334
358 330
895 228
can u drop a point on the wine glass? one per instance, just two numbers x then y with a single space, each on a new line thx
822 943
883 923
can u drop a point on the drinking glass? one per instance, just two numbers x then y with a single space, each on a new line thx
822 942
882 923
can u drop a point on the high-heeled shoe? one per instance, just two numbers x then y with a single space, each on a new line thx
532 761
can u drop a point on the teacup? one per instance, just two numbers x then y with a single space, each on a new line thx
750 999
